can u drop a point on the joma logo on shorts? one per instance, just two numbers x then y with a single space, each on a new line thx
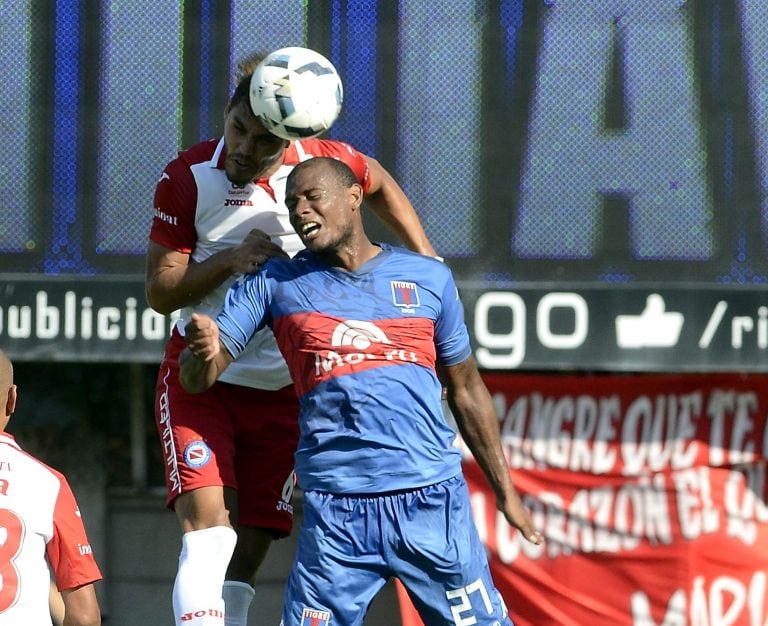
202 613
284 506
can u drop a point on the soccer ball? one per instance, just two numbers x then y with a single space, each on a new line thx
296 93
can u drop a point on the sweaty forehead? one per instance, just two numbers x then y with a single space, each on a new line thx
312 174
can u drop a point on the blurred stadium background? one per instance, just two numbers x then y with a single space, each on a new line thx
577 163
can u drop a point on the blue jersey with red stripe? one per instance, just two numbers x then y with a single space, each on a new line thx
361 348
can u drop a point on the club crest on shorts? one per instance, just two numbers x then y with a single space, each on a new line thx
197 453
405 295
315 617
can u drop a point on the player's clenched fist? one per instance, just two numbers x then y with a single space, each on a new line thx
255 250
203 359
201 335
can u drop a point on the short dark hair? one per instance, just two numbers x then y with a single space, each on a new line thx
342 173
243 72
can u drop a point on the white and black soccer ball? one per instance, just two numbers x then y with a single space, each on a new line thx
296 93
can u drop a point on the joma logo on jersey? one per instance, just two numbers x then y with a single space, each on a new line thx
237 202
405 295
363 337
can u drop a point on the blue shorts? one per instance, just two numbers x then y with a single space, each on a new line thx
350 546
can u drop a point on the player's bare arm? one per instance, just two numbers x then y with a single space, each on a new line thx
475 415
173 281
391 205
204 358
81 607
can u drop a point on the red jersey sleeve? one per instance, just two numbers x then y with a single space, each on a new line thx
69 552
173 224
343 152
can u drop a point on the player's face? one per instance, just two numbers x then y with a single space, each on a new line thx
252 151
321 209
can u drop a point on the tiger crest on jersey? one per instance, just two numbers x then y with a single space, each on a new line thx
315 617
405 295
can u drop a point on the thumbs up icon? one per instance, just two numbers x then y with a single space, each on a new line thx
653 328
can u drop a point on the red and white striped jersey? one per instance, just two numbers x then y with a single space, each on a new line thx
40 526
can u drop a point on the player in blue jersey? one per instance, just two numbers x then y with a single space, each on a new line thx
363 327
228 453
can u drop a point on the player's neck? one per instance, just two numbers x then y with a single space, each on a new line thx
352 256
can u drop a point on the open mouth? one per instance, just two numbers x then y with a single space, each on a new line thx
309 229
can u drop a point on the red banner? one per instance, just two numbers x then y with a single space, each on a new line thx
650 491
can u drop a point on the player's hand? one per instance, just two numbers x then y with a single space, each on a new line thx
517 515
201 334
255 250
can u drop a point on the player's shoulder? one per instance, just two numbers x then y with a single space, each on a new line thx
202 152
276 271
417 268
34 469
405 255
178 180
280 268
299 150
